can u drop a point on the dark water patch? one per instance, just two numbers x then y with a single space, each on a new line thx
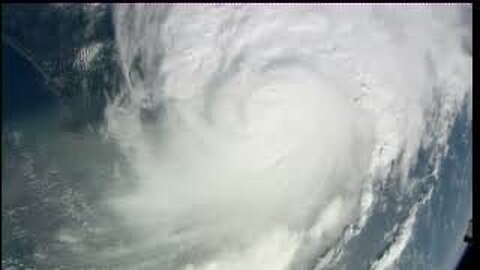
24 90
53 38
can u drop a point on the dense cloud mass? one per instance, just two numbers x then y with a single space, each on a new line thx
237 137
257 132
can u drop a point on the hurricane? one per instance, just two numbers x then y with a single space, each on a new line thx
269 137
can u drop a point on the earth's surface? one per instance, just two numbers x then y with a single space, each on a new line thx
235 136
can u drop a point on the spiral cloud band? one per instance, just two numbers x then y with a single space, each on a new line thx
257 132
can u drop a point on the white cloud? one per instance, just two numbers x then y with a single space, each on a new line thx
262 126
